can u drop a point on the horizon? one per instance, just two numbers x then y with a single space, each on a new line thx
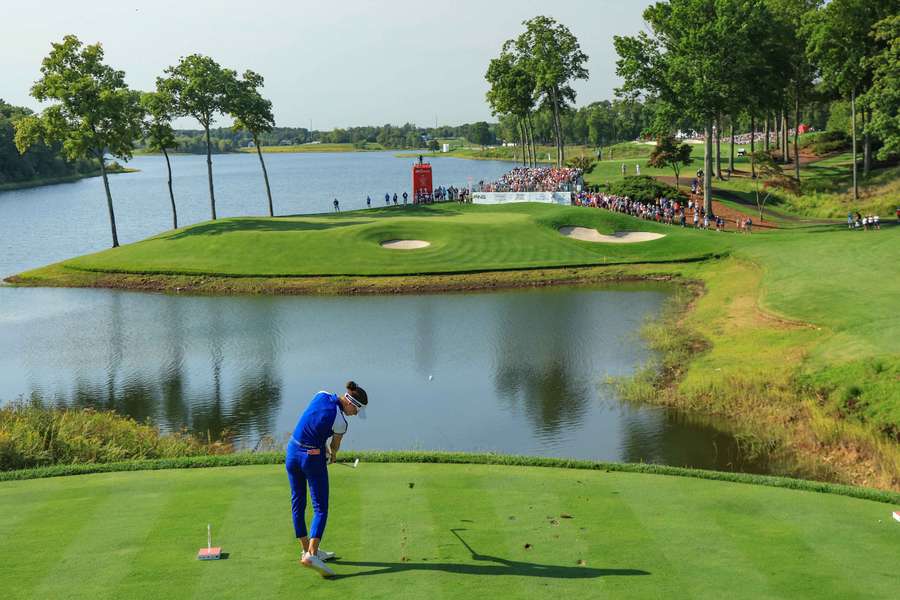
438 83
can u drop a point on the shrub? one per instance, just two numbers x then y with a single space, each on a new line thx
643 188
824 142
34 436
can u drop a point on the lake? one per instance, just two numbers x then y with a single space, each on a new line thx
518 371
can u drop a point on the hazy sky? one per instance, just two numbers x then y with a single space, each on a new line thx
329 63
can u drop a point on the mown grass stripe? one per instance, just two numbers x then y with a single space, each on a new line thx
179 532
107 544
47 532
261 458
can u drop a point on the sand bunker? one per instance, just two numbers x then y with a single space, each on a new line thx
620 237
405 244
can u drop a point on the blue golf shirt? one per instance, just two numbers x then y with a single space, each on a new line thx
322 418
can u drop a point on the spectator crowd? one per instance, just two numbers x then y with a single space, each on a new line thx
535 179
662 210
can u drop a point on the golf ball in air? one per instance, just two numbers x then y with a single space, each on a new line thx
430 377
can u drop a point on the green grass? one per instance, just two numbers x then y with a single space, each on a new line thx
441 531
463 239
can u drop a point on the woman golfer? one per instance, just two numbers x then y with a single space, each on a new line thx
306 463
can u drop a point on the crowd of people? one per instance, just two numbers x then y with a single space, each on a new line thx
663 210
443 194
865 223
535 179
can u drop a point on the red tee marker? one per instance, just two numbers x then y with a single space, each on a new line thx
209 553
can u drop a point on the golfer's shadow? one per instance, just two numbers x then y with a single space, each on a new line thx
501 566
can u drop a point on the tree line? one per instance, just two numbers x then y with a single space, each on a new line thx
714 66
710 61
42 161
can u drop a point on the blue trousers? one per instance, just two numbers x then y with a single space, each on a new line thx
303 469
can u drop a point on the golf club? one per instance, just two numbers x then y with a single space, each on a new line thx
353 466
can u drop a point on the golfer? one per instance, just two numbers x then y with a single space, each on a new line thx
306 463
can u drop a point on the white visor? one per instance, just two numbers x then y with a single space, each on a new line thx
360 407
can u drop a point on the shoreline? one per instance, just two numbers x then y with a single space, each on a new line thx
58 275
24 185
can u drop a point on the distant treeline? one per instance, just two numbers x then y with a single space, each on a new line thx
39 163
597 124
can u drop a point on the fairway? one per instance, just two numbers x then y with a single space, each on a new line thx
441 531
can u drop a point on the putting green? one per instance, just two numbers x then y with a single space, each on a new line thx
441 531
462 239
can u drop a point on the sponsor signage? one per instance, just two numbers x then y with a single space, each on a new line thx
507 197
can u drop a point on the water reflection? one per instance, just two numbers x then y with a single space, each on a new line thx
518 372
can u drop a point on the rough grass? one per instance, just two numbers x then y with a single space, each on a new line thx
34 436
442 531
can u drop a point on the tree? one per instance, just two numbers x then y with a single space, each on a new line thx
884 95
253 113
552 54
512 93
95 111
774 177
668 153
694 61
480 133
159 135
839 41
585 163
200 87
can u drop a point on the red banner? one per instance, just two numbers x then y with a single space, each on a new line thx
421 182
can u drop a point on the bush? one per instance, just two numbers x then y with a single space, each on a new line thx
824 142
643 188
34 436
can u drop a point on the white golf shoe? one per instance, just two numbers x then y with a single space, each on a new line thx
316 564
324 554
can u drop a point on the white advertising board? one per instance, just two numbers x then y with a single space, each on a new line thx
507 197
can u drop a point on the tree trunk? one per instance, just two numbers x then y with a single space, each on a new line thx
529 140
766 142
797 134
171 193
731 149
718 148
109 202
853 141
212 194
777 123
753 145
867 144
784 137
265 175
522 140
560 154
707 168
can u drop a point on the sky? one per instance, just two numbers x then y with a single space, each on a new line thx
326 63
